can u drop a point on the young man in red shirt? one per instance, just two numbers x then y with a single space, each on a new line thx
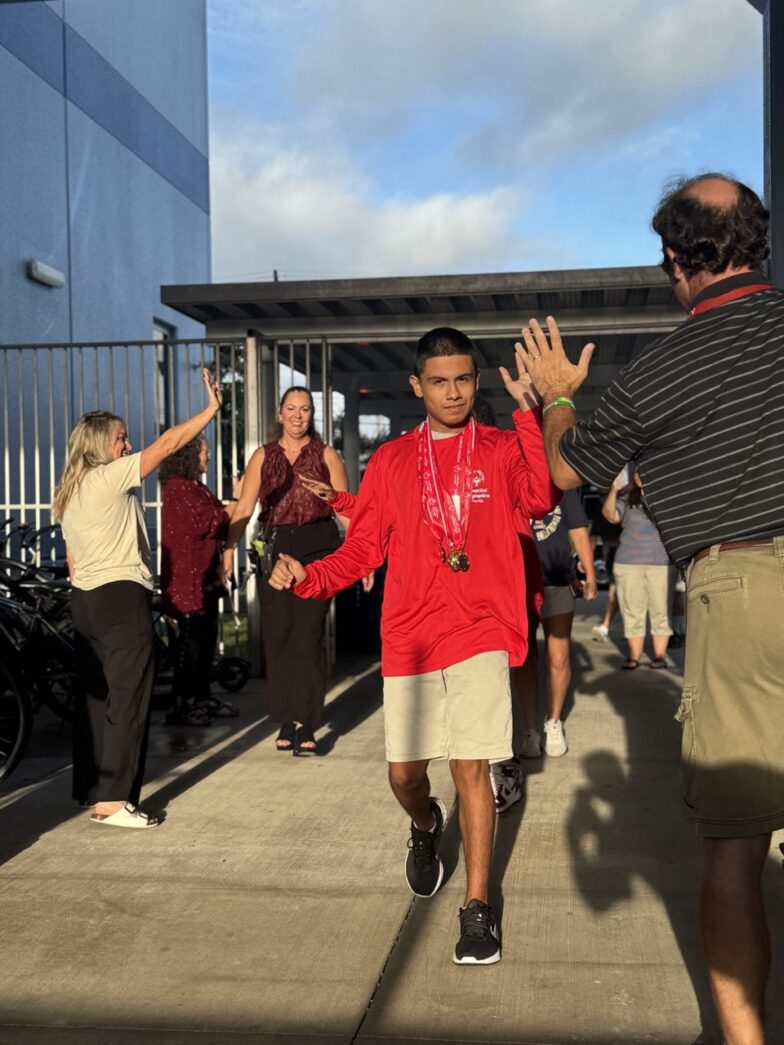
438 504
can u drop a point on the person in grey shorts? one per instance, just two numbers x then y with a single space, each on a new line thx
555 536
644 575
701 413
558 536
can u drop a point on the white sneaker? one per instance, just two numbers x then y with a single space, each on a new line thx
601 631
532 744
554 739
505 781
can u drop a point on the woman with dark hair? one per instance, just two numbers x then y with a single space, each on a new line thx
294 521
644 574
194 524
109 563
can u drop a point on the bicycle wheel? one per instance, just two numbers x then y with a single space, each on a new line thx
16 720
231 673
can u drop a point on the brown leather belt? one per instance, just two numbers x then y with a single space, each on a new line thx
728 546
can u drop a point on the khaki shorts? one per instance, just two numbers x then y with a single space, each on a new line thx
732 710
644 591
463 711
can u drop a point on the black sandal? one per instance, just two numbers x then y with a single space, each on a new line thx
630 664
304 735
285 739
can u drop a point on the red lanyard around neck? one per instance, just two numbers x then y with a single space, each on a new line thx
438 504
731 295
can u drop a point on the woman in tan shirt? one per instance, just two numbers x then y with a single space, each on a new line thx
109 562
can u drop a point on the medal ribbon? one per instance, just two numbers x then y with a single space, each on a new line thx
731 295
438 506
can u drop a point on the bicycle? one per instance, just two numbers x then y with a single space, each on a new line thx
16 713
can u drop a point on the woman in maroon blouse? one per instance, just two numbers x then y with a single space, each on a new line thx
194 525
298 523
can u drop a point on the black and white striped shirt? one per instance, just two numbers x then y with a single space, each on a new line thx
700 412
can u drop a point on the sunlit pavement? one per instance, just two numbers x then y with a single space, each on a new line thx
271 905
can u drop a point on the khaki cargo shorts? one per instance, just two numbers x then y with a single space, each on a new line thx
732 711
463 711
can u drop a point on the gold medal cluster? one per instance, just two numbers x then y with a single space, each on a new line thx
457 560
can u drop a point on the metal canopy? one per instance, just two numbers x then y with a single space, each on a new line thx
372 325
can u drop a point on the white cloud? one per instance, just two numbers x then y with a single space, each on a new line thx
318 105
314 215
552 77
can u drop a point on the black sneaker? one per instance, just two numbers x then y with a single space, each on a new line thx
478 943
424 871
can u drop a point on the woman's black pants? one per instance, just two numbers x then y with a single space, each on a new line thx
194 649
116 668
293 631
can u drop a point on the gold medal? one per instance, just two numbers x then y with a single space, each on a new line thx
458 561
453 560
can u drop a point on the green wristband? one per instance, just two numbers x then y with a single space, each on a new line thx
559 401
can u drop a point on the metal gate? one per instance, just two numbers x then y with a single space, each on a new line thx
45 388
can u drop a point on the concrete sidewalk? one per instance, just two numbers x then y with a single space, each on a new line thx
271 907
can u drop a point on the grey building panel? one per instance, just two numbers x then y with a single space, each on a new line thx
107 98
169 48
120 261
103 183
33 34
34 204
38 38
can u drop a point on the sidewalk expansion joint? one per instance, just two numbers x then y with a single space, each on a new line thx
383 970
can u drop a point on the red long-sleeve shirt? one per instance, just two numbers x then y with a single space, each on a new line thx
434 617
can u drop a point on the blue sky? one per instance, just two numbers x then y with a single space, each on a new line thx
363 138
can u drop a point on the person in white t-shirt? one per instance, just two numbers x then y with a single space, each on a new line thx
109 563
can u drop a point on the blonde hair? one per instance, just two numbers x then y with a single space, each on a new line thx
88 447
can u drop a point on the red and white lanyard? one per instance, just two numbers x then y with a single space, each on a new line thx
438 505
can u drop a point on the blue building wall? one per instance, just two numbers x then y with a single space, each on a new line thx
104 173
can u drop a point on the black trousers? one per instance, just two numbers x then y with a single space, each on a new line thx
293 631
116 666
194 649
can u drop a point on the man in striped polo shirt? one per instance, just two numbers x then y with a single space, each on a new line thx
701 413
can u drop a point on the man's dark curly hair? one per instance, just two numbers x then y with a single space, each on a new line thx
183 464
443 341
709 238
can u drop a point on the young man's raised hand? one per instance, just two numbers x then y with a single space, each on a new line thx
520 389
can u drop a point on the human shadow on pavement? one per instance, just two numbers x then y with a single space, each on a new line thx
629 823
49 804
507 831
349 710
509 824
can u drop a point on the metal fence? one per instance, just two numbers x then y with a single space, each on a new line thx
45 388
